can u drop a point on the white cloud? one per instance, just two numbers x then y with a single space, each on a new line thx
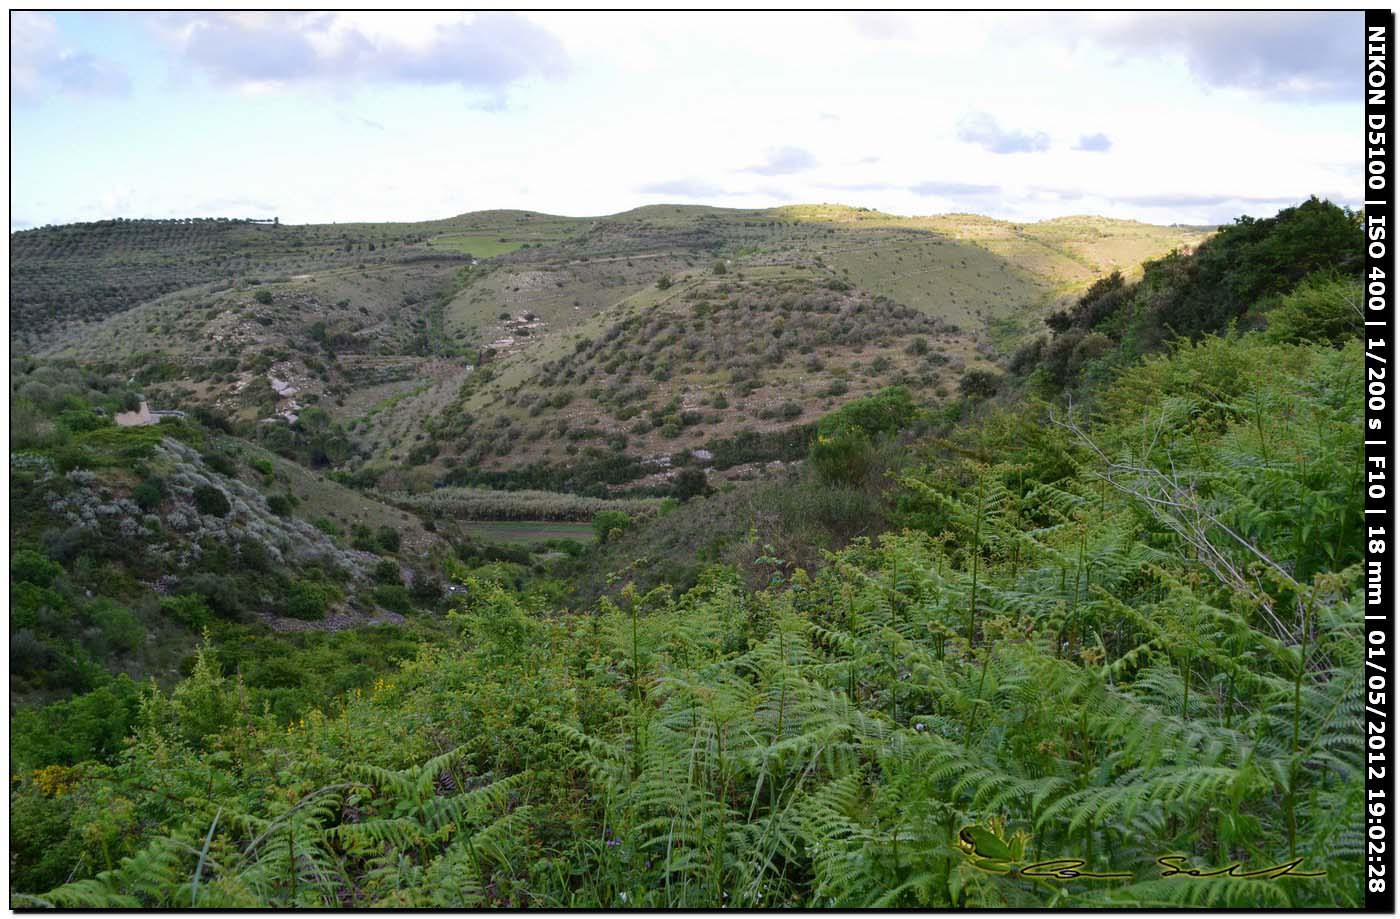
41 65
1308 55
782 161
485 52
983 130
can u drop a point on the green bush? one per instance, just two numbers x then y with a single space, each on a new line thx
689 483
393 597
885 412
606 523
1324 308
210 500
842 457
309 600
427 590
118 626
33 568
263 296
979 384
187 609
149 493
386 571
221 463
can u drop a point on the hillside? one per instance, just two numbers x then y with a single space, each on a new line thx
486 340
693 558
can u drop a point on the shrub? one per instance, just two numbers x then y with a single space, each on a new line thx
309 600
979 384
842 457
886 412
690 483
388 539
606 523
281 505
426 590
80 420
31 567
210 500
393 597
221 463
263 296
149 493
186 609
386 571
220 593
1323 308
664 282
118 626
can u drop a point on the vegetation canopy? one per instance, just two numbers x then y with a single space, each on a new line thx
686 558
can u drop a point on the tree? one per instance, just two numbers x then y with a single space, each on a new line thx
210 500
608 523
1323 308
388 539
979 384
690 483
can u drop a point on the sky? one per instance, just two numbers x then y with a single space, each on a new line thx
1172 117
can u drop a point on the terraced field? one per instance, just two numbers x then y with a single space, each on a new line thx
502 338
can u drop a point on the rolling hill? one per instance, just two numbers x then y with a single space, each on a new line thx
498 339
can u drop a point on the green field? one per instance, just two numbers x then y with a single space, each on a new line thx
476 245
525 532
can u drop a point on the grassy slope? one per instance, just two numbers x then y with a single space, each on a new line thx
991 279
400 360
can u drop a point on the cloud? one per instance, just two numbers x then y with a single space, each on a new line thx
1309 56
858 186
41 66
954 189
884 26
486 54
982 129
784 161
682 188
1199 200
351 118
1058 194
1094 143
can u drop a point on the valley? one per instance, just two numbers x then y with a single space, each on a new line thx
676 551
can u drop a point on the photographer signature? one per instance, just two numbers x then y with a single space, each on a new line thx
990 853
